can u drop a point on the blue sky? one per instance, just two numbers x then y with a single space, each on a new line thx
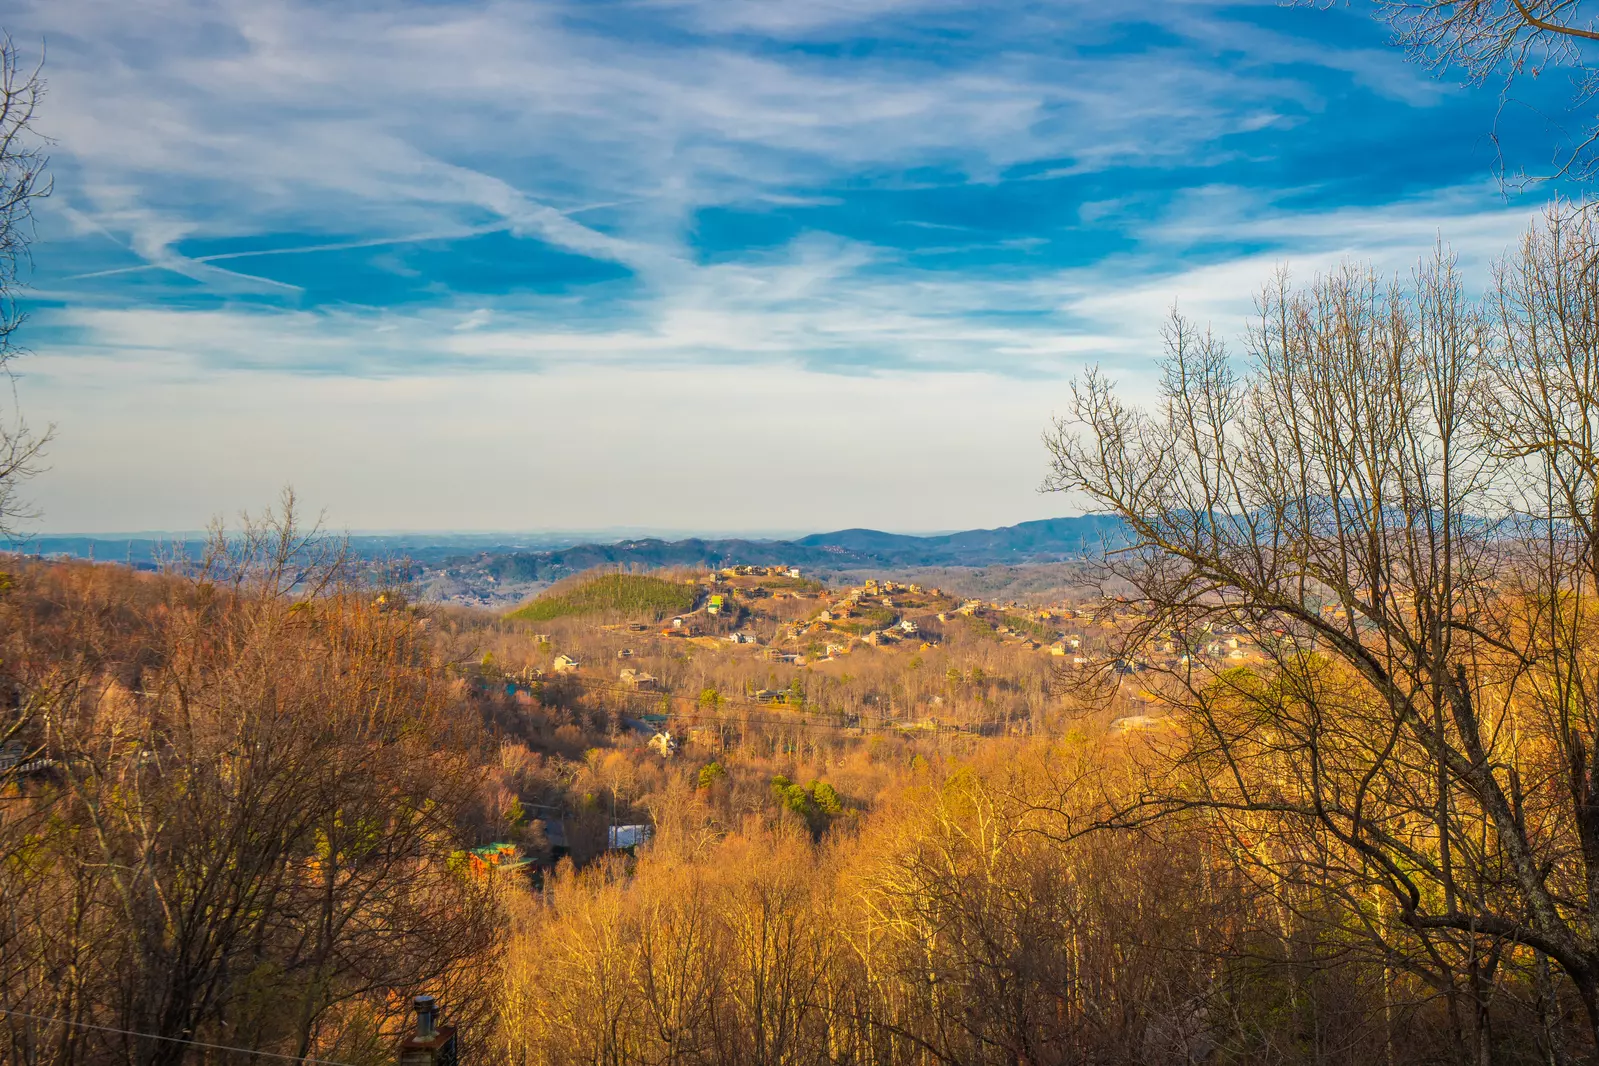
685 264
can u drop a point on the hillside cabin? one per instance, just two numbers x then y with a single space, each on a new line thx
566 664
638 680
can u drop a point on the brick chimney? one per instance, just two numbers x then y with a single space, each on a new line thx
429 1044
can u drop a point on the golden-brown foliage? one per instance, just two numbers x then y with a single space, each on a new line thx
243 832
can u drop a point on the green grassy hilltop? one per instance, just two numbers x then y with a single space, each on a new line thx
633 595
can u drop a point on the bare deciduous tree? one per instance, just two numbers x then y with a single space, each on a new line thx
1395 498
1508 40
23 181
248 829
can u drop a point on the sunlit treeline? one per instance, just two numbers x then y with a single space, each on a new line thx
246 836
969 921
226 815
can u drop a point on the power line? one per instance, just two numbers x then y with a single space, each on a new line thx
170 1039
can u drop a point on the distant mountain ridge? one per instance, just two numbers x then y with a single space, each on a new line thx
524 558
149 550
1046 540
1047 536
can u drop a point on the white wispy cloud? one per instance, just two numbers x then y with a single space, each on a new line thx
837 306
203 143
181 119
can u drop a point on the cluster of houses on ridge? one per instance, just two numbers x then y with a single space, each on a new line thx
875 614
879 613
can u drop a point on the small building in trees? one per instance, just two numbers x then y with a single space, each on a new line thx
495 858
638 680
627 837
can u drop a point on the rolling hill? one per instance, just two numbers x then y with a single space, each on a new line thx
634 595
1048 540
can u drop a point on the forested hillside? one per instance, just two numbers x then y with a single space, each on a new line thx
811 890
277 804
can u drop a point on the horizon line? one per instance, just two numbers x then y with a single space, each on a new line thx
621 532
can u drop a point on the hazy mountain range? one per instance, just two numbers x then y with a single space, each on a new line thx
1047 540
548 557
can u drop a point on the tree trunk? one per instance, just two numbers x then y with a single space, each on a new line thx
1588 989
